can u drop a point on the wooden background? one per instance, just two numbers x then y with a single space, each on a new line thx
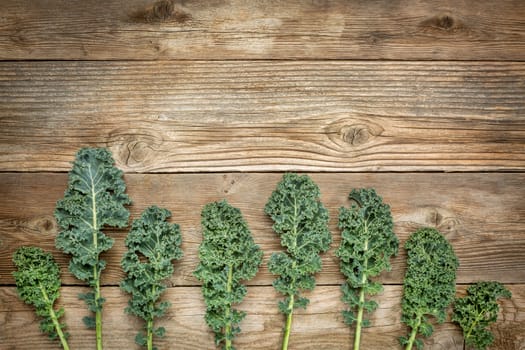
204 100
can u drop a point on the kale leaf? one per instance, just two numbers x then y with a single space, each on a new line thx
476 311
429 284
38 283
152 245
228 255
367 243
301 221
94 199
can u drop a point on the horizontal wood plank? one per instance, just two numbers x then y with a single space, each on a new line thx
235 29
481 214
265 116
320 326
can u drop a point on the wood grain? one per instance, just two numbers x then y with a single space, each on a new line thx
265 116
192 96
320 326
294 29
481 214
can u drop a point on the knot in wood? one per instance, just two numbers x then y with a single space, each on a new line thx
45 224
445 23
135 149
354 132
356 135
162 11
442 219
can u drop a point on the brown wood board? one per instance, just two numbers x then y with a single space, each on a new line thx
265 116
481 214
320 326
293 29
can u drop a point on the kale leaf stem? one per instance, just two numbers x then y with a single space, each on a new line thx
54 318
413 334
149 330
149 322
288 326
98 316
228 328
360 309
289 316
96 272
478 317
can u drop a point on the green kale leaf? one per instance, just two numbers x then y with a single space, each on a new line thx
429 284
478 310
38 283
152 245
94 199
228 255
301 221
367 244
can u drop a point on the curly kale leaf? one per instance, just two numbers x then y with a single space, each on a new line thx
429 284
152 245
94 199
367 244
228 255
301 221
478 310
38 283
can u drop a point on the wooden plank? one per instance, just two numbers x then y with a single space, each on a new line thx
235 29
265 116
481 214
319 327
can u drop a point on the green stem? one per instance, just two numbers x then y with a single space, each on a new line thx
97 303
476 320
96 272
149 331
360 308
228 328
98 318
357 338
413 334
289 316
288 326
54 319
149 322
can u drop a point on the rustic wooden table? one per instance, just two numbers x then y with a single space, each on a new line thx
204 100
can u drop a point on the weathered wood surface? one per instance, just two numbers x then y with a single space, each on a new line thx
319 327
265 116
481 214
198 91
170 29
